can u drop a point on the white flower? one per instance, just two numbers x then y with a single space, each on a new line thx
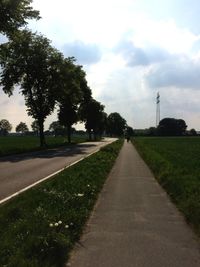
80 195
60 222
66 226
56 224
88 185
51 225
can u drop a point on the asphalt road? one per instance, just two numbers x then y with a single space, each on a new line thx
22 170
134 223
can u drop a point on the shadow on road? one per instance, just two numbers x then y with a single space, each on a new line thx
50 153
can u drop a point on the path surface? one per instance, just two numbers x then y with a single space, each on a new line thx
22 170
134 223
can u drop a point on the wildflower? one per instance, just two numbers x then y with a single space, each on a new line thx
88 185
51 225
60 222
66 226
56 224
80 195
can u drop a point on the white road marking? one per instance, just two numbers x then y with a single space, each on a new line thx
45 178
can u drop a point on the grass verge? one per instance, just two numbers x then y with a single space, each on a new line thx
175 163
40 227
20 144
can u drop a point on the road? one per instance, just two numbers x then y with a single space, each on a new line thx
22 170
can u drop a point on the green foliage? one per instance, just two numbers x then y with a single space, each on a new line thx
39 227
35 126
171 127
92 113
22 127
175 163
116 125
30 62
5 127
14 14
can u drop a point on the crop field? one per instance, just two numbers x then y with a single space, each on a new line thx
19 144
175 162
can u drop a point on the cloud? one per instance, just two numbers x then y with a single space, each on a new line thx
182 72
136 56
84 53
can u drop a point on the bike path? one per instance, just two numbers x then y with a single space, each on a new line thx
134 223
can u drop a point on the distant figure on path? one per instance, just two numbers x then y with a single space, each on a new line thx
128 138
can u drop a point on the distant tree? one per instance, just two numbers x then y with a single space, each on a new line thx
5 127
193 132
172 127
129 131
57 129
21 128
92 113
14 14
31 63
152 131
70 95
116 125
35 127
102 123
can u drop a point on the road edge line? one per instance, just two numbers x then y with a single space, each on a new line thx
46 178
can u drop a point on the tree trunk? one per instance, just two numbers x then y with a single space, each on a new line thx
89 134
41 133
69 133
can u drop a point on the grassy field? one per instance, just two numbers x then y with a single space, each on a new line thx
19 144
39 227
176 164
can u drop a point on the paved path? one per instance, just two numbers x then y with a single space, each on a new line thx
22 170
134 223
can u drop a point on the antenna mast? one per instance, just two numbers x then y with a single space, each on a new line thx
157 109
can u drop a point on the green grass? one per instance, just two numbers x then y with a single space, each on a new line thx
176 164
29 234
19 144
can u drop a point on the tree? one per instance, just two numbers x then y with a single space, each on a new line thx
21 127
116 125
193 132
57 128
14 14
171 127
35 127
70 94
31 63
92 113
129 131
5 127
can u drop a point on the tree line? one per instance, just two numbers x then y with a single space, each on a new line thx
46 78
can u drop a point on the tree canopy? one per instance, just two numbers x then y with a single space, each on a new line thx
71 94
21 127
30 62
14 14
5 127
171 127
116 125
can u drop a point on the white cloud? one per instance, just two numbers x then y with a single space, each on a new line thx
130 49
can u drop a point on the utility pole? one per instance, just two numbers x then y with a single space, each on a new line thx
157 109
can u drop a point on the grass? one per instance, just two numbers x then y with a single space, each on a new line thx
176 164
19 144
40 226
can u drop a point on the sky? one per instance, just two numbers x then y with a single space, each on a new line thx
130 50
